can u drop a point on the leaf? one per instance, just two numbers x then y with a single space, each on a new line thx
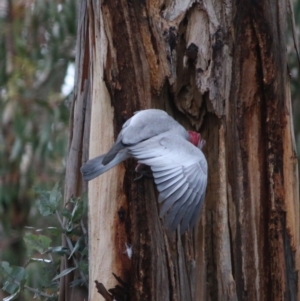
15 272
17 147
41 260
77 282
54 230
76 247
79 209
48 201
13 296
64 273
10 287
85 252
69 227
84 267
66 213
60 250
5 268
40 243
14 277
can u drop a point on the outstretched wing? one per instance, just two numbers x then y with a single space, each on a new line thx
180 172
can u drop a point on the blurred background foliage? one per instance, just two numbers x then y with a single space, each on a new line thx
294 68
37 52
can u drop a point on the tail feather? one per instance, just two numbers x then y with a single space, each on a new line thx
94 167
113 152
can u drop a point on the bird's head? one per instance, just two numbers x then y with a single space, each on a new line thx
196 139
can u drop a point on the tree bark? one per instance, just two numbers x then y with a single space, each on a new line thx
219 68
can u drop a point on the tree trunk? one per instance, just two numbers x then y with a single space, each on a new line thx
218 67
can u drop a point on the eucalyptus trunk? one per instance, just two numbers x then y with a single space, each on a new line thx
219 68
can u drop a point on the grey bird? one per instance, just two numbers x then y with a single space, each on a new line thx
174 155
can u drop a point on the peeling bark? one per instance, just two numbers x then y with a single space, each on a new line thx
218 67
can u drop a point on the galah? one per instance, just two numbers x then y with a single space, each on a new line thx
174 155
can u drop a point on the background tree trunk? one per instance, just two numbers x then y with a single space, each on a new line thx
218 67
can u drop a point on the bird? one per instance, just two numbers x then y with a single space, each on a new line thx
174 155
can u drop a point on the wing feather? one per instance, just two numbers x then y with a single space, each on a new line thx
189 213
172 199
166 191
163 185
182 208
195 184
194 206
162 169
170 216
192 175
196 212
159 178
180 173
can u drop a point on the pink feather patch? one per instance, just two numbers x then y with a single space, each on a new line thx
194 137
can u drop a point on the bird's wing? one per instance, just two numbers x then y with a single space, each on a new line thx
143 125
180 173
147 124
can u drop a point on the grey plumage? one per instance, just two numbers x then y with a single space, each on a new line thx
179 168
95 167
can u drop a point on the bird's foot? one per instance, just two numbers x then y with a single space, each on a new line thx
142 170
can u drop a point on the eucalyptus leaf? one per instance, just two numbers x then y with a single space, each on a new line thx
60 250
76 247
13 296
66 213
10 287
64 273
40 243
41 260
54 230
14 277
48 201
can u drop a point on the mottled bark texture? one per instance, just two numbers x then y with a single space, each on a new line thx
218 67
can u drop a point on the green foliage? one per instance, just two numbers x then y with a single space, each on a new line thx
37 44
48 200
14 278
293 52
44 255
39 243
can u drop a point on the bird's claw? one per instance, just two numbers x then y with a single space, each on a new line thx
143 173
